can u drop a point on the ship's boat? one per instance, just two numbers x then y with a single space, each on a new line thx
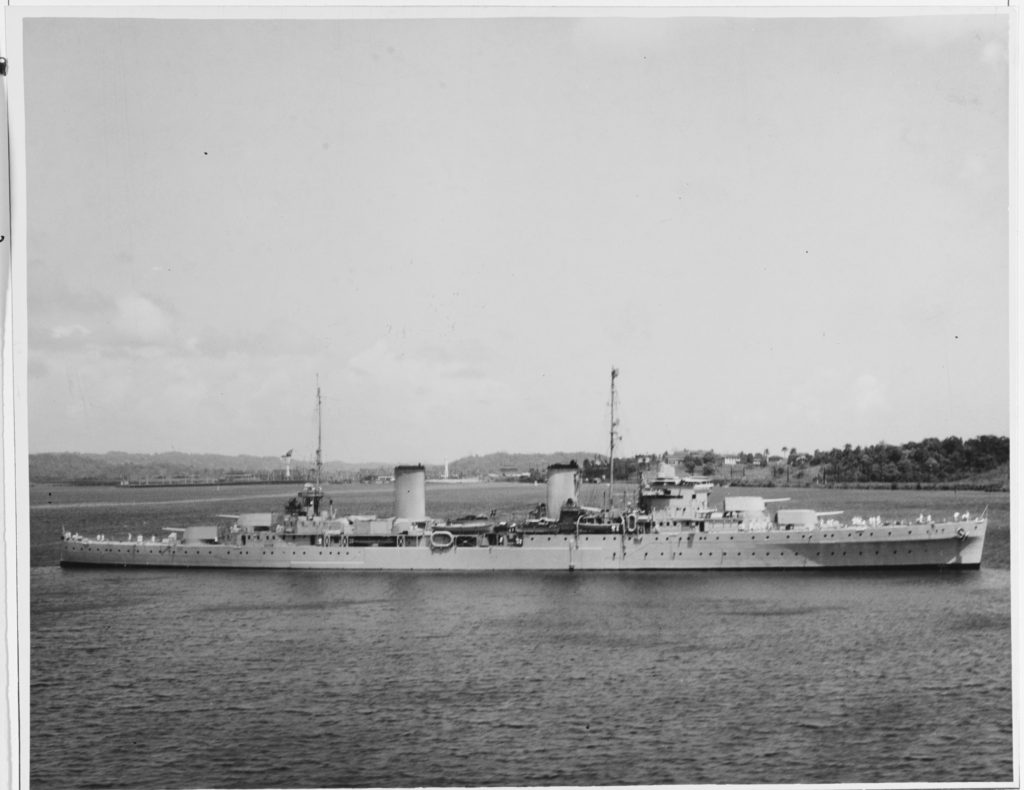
670 526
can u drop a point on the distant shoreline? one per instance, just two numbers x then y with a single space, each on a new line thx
873 486
950 464
718 482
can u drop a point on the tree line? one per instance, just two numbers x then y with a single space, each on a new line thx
927 461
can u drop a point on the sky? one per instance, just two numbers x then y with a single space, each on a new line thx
782 232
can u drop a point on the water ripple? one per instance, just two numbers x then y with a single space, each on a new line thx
238 680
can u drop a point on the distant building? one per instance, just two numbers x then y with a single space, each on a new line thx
240 477
508 473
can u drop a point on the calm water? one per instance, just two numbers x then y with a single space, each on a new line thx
153 678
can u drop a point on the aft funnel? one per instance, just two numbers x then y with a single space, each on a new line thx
563 486
410 499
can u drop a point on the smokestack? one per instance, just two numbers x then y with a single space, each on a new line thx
563 484
410 496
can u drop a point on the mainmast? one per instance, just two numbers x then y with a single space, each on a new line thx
611 443
319 434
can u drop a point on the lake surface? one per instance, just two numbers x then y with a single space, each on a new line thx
179 678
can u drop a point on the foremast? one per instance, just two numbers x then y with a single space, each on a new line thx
305 505
612 436
318 491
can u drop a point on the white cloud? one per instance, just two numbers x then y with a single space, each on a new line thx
417 403
422 371
140 318
72 330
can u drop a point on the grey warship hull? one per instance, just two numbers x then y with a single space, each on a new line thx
942 544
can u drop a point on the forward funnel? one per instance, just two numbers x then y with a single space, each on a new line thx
410 496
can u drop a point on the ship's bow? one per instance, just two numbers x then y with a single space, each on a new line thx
972 542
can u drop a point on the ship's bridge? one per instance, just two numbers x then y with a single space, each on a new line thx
668 496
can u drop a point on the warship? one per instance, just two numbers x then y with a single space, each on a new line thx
669 526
